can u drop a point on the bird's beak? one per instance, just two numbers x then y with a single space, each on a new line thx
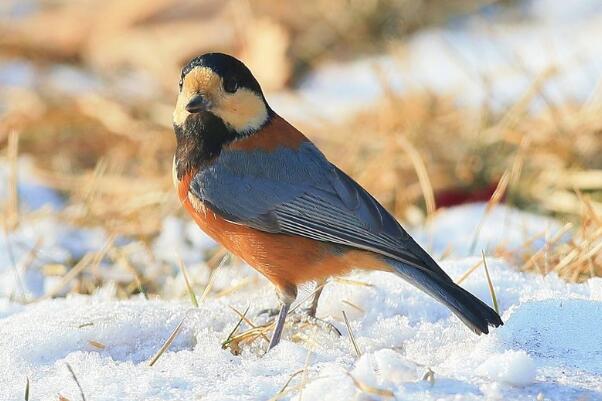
198 103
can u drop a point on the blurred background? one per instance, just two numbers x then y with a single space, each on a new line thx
428 104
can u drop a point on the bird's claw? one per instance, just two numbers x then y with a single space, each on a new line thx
303 315
308 319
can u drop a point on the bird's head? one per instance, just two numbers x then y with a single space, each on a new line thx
224 87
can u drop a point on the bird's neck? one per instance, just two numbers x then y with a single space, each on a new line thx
199 141
201 138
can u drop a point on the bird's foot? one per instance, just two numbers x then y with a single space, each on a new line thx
305 318
302 316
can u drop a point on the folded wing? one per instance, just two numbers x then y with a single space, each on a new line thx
298 192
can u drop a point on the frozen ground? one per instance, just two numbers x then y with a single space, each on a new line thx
550 346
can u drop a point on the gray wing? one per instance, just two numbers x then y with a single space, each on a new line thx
298 192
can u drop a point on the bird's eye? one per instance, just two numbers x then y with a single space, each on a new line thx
230 85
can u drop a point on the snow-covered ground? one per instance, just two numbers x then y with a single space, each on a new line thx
549 348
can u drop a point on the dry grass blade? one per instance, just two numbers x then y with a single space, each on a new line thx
233 341
178 328
311 294
552 241
191 293
423 177
490 285
167 343
231 335
122 259
13 262
89 259
354 306
468 272
243 283
304 379
12 208
510 176
348 281
27 389
81 391
351 337
288 382
248 335
365 388
493 202
247 320
212 278
97 345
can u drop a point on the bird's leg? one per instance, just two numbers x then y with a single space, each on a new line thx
303 315
286 299
311 311
279 326
309 314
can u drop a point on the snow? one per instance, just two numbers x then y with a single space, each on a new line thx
468 229
550 345
512 367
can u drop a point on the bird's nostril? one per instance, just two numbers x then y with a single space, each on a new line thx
197 104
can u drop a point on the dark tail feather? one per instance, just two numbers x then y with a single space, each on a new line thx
471 310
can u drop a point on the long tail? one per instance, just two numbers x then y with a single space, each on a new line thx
471 310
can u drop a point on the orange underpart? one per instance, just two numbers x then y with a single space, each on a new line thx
277 133
285 260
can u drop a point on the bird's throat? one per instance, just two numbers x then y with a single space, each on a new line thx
199 140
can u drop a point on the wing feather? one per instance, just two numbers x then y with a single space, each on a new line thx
298 192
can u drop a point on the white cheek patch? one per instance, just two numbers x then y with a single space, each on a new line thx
244 110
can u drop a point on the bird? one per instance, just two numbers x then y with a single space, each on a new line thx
262 189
